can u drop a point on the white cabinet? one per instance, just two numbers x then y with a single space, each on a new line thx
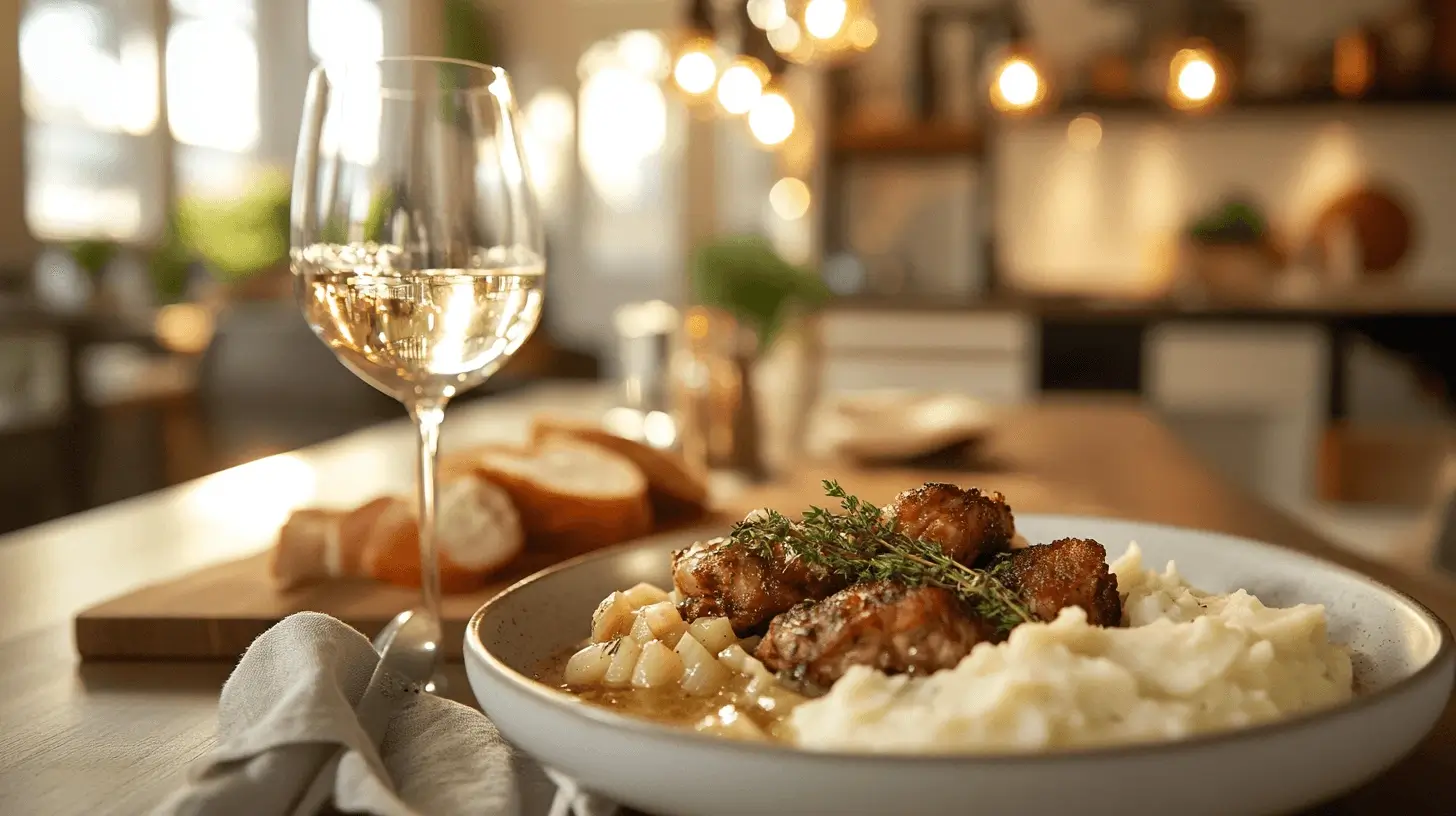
1250 398
991 355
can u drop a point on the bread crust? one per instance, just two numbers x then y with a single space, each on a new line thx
669 478
555 515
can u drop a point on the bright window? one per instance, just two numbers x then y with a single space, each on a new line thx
630 142
345 30
212 75
80 67
89 89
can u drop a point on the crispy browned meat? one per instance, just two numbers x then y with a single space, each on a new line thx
964 521
884 624
1069 572
750 588
896 628
715 578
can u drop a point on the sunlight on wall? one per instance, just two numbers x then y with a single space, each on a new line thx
1158 193
1332 165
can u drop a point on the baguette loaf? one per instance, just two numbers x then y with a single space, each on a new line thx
571 495
672 484
478 532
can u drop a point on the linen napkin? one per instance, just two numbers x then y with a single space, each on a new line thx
289 706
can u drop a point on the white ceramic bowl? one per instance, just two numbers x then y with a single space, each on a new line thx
1404 661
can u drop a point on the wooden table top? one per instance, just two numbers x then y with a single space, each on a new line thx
82 739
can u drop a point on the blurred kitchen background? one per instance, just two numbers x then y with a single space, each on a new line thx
1241 212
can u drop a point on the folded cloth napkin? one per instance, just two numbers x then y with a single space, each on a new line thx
289 707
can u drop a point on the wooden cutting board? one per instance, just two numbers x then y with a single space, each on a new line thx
216 612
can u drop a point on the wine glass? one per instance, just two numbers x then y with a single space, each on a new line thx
416 240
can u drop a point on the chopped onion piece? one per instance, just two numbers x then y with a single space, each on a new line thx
738 659
703 675
657 666
612 619
714 633
644 594
625 652
693 652
663 621
588 666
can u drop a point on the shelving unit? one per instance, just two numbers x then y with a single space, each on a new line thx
928 140
853 144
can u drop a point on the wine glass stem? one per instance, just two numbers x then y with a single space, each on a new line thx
427 416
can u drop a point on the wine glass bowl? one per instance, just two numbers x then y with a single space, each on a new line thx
416 242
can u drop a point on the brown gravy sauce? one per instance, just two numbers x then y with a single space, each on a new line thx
718 714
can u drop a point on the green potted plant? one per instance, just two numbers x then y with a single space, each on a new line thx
1229 252
243 243
94 256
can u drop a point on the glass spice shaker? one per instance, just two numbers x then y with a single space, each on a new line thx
643 408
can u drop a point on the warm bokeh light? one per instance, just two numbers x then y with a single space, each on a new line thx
824 19
789 198
1085 132
658 429
785 38
863 33
184 328
1193 78
772 118
741 85
1018 86
767 14
622 118
695 70
1197 79
550 130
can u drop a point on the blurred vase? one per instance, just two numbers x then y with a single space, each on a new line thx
787 377
643 407
714 393
741 409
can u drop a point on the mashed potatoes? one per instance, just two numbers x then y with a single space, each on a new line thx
1189 662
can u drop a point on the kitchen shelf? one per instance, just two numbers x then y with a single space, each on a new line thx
929 139
1319 101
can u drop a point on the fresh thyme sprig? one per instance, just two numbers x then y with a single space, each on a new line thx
861 544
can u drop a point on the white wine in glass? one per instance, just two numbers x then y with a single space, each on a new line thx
417 250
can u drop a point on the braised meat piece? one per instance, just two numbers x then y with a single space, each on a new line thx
716 578
885 624
965 522
897 628
750 587
1069 572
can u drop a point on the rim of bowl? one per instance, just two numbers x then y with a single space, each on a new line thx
647 728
